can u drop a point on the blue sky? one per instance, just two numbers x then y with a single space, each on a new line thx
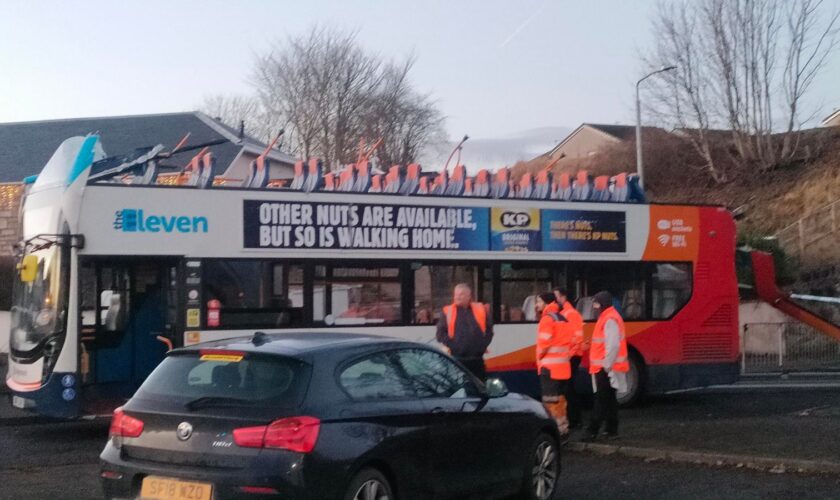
495 67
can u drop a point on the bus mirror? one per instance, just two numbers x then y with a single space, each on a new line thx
28 268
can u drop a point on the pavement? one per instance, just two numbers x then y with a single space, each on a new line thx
59 461
750 438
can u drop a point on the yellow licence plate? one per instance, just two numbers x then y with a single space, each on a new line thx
161 488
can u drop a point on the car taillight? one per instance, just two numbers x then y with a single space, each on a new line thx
293 433
124 425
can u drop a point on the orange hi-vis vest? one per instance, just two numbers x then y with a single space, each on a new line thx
598 351
554 342
479 313
579 344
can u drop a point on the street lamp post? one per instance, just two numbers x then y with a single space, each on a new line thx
639 166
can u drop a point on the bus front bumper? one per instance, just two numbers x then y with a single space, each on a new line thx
58 397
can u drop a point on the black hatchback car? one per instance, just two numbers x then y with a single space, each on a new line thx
326 416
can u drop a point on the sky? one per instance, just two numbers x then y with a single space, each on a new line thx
496 68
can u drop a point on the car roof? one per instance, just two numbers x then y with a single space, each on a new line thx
299 343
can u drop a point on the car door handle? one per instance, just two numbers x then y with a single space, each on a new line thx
438 410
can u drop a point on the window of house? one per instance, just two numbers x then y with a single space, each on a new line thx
357 295
434 285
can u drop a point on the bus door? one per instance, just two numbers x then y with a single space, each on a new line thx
128 313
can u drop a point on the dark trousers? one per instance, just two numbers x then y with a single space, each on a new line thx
606 405
572 396
475 366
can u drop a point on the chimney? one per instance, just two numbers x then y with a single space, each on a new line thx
241 129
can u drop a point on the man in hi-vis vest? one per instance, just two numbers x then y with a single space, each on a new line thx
554 344
608 365
579 348
465 329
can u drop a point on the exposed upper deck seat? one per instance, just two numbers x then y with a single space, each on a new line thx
299 177
375 184
542 185
208 171
423 186
457 183
346 179
601 189
314 177
635 193
392 180
363 179
501 183
526 186
329 182
481 184
582 186
468 187
412 179
440 183
561 188
618 191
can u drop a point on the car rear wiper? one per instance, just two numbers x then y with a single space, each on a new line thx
217 401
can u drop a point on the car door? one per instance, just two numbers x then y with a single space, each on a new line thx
464 457
384 419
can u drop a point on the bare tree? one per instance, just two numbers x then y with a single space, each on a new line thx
744 66
405 119
333 94
234 110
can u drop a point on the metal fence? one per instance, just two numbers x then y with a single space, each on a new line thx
782 347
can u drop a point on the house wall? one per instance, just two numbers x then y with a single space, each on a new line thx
833 121
584 143
10 196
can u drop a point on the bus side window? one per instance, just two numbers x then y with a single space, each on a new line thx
520 285
671 288
433 287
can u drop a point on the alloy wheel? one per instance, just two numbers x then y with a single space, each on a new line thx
544 472
372 490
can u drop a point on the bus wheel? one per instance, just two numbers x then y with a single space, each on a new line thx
635 382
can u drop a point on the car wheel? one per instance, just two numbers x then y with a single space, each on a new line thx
543 470
635 382
369 484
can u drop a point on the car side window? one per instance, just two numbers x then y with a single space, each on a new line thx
433 375
375 377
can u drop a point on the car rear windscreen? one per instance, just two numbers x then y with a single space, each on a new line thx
254 380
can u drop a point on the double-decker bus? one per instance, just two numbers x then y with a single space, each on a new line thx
117 267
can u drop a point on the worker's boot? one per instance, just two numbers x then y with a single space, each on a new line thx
558 412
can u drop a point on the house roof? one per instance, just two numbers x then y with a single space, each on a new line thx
615 132
620 132
25 147
830 117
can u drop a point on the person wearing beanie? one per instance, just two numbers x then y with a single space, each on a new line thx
554 339
608 365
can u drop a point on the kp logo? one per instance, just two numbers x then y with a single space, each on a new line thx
132 220
515 219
